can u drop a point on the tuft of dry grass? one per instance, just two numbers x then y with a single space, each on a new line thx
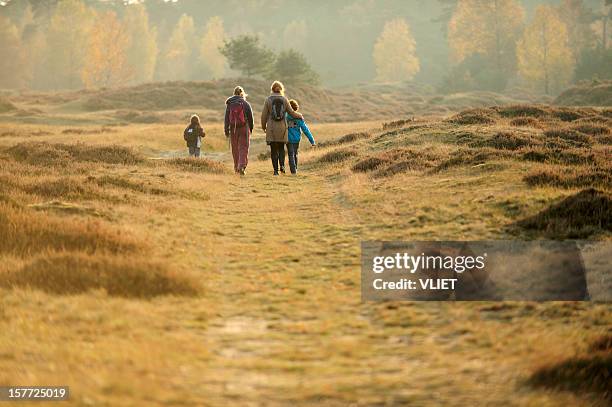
337 156
396 124
581 373
474 116
470 156
26 232
571 177
513 111
197 165
577 216
349 138
574 156
570 136
69 273
525 122
44 154
123 183
505 141
592 128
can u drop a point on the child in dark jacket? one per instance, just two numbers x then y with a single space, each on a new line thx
193 135
294 135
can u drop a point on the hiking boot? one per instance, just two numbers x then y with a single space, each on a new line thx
282 169
242 171
275 173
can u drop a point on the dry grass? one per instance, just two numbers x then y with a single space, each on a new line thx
337 156
525 122
265 249
69 274
577 216
588 373
475 116
571 177
26 232
44 154
197 165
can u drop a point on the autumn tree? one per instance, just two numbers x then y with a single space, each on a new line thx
291 66
210 56
247 55
10 55
67 42
489 28
106 60
142 49
545 59
178 56
577 18
395 53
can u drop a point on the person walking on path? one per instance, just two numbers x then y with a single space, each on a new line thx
239 125
274 124
193 135
296 127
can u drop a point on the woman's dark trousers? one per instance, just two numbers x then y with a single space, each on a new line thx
277 154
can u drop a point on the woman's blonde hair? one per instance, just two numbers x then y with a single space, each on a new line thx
277 87
195 119
239 91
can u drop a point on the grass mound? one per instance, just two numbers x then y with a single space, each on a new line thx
67 274
27 232
43 154
571 177
197 165
521 111
470 157
581 374
577 216
570 136
64 188
396 124
595 93
123 183
6 105
368 164
592 128
505 141
337 156
474 116
575 156
349 138
525 122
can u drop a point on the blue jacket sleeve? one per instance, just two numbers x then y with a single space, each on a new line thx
226 126
306 131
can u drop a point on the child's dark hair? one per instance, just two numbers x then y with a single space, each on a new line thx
195 120
294 104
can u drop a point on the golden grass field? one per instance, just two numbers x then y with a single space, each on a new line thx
141 278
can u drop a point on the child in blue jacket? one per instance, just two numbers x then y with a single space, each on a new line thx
294 135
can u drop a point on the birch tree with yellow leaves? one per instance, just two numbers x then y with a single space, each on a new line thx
545 58
106 61
210 56
489 28
395 53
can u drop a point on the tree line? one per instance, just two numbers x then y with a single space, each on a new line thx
69 44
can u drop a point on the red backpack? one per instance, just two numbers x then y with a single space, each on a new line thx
236 115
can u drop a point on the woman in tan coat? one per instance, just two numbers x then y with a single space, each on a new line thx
274 124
